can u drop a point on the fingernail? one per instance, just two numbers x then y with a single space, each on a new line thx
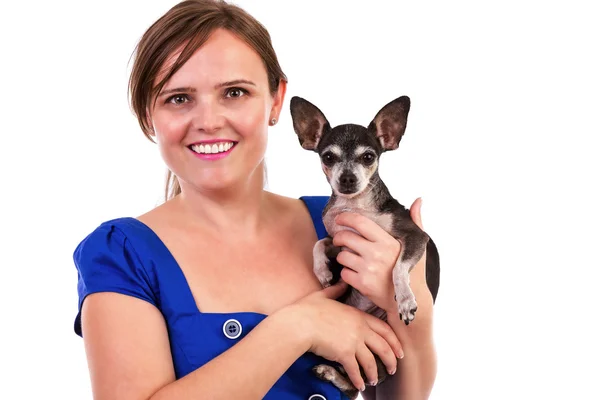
392 372
362 389
373 383
400 354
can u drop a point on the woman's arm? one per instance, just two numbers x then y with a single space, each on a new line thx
129 355
247 370
370 272
417 370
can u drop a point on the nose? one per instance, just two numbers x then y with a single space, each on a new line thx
207 116
347 179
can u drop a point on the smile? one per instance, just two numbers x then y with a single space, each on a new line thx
212 148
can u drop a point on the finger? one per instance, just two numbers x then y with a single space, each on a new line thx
378 345
351 240
334 291
363 225
352 370
350 260
366 359
385 332
415 212
351 277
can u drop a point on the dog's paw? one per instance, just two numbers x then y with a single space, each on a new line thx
325 277
407 308
322 271
325 372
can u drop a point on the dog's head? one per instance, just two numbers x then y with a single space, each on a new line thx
349 153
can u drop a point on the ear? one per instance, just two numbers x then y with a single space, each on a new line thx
278 98
309 122
390 123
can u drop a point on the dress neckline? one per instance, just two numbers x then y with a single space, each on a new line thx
179 275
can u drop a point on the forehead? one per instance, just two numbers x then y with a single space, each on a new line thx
223 57
348 138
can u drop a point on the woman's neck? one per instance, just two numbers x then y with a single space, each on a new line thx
235 210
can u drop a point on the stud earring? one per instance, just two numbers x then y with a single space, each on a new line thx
273 121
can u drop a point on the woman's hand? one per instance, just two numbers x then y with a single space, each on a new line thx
370 269
344 334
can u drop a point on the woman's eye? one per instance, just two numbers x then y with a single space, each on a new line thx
235 92
177 99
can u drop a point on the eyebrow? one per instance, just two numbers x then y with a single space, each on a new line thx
177 90
235 82
190 89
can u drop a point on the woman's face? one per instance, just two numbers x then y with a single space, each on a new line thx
211 118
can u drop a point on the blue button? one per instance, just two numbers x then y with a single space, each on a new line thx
317 397
232 328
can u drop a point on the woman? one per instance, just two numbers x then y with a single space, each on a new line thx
211 294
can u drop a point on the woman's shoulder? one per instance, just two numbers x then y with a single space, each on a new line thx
312 201
110 232
108 260
113 244
130 229
303 213
297 207
315 202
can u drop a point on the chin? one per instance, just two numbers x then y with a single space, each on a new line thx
350 195
222 181
226 176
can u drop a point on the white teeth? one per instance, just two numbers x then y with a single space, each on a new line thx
212 149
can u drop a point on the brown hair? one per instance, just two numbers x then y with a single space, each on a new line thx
189 24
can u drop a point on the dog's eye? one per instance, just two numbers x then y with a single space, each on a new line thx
328 158
368 158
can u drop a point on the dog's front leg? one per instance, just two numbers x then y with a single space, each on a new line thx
322 252
412 250
407 304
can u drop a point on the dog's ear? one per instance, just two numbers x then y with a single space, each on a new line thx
390 123
309 122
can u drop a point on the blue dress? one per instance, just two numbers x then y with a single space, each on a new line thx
125 256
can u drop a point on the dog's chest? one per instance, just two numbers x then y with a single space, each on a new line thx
383 220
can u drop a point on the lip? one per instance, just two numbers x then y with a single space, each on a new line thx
210 141
212 157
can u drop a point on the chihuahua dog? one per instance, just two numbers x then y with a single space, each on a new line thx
350 156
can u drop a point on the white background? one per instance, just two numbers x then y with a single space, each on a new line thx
502 144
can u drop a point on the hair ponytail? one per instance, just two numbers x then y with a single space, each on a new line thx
172 187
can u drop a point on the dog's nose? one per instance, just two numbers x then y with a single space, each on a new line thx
347 179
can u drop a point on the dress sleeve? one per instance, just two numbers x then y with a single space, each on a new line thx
106 262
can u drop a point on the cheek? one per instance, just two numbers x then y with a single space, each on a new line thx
372 168
326 171
170 128
249 123
364 173
336 171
